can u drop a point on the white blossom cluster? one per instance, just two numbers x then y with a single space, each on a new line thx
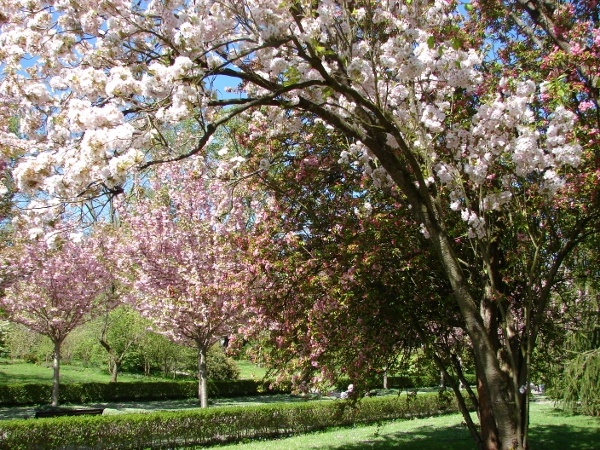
96 84
505 142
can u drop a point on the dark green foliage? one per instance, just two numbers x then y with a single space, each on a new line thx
32 394
209 426
581 384
25 394
575 362
402 382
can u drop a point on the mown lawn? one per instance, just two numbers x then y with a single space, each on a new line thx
20 372
250 371
550 430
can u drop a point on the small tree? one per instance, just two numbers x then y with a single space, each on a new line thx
121 331
183 255
52 289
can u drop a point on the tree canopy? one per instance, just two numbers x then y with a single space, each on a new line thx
482 116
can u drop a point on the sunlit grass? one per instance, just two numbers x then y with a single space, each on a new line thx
250 371
20 372
550 430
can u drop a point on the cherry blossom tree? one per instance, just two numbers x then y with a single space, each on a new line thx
484 117
54 288
183 252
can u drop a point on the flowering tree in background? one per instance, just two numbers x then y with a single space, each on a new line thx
52 289
183 250
483 117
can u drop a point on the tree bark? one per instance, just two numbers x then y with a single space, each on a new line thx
56 376
114 371
113 365
500 416
202 376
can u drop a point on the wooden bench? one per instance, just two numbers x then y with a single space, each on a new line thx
69 412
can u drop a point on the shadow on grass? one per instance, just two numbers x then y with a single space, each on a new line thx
263 399
423 438
564 437
544 437
21 412
6 378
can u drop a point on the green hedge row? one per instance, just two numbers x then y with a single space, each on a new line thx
36 394
404 382
214 425
33 394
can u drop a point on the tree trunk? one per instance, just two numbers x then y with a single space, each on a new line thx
56 370
202 375
114 371
498 369
113 364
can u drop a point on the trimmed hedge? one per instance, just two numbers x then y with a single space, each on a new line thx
404 382
34 394
214 425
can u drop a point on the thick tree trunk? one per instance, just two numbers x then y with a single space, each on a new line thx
56 377
500 414
499 369
202 376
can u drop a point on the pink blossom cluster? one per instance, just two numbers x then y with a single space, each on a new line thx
52 289
182 252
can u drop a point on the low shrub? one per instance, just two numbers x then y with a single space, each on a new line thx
220 366
210 426
394 382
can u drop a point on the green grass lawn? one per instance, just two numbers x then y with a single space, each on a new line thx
550 430
250 371
20 372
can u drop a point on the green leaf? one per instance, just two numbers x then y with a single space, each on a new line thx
431 42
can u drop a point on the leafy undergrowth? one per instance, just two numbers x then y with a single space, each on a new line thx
23 412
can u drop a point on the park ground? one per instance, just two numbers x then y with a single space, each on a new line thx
551 428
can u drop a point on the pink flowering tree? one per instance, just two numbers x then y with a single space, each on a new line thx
484 117
183 252
347 288
52 288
